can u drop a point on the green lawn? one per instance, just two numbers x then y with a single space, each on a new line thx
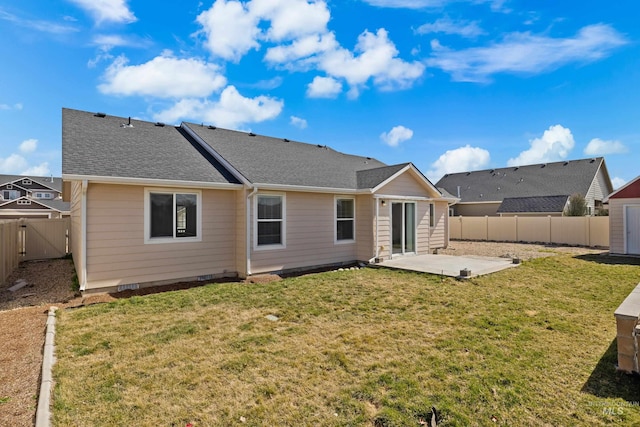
534 345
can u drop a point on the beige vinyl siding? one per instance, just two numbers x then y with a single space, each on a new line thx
75 198
423 228
597 191
406 185
310 234
365 227
241 232
439 237
384 231
616 224
117 254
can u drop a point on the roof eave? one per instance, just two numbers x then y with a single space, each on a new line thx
151 182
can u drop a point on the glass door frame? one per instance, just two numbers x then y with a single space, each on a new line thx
403 218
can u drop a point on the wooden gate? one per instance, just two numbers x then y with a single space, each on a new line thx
44 238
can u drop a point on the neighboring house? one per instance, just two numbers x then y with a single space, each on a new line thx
624 219
154 204
539 190
31 197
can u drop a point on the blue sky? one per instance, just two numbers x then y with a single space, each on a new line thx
450 85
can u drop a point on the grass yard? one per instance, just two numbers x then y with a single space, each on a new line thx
534 345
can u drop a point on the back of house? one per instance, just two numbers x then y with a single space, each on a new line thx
154 204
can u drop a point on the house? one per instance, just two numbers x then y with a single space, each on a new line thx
535 190
153 204
624 219
31 197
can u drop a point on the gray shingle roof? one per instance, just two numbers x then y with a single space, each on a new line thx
54 183
101 146
540 204
56 204
370 178
545 179
267 160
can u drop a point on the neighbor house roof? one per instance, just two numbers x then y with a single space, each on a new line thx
543 179
277 161
54 183
538 204
630 190
56 204
96 145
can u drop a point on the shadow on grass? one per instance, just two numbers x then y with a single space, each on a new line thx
607 382
605 258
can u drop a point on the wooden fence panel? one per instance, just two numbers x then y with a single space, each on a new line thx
45 238
9 258
577 231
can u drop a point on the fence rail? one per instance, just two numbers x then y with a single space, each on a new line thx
579 231
31 239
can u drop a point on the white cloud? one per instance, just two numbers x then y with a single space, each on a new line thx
49 27
324 87
554 145
599 147
13 164
41 170
28 146
231 30
163 77
618 182
396 135
303 47
527 53
7 107
107 10
230 111
376 59
461 159
468 29
298 122
291 19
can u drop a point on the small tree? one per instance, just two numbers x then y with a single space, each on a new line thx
577 206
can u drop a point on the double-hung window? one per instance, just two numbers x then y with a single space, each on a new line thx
270 218
345 219
172 216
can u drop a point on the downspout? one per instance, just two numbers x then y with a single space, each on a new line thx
377 227
248 225
83 221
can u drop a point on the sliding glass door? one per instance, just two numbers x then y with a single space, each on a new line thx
403 227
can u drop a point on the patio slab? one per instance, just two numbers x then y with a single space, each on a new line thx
449 265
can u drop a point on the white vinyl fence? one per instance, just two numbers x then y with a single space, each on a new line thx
578 231
31 239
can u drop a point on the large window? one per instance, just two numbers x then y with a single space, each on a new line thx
172 216
270 220
345 219
10 194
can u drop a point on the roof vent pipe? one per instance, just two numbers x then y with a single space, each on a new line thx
458 191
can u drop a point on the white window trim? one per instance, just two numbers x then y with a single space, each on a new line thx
23 202
147 216
335 221
282 245
27 181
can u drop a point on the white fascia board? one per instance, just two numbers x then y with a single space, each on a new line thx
235 172
308 189
152 182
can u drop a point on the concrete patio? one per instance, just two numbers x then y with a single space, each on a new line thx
449 265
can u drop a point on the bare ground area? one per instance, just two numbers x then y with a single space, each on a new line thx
23 316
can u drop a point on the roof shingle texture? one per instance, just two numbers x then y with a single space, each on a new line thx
550 179
54 183
541 204
101 146
267 160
